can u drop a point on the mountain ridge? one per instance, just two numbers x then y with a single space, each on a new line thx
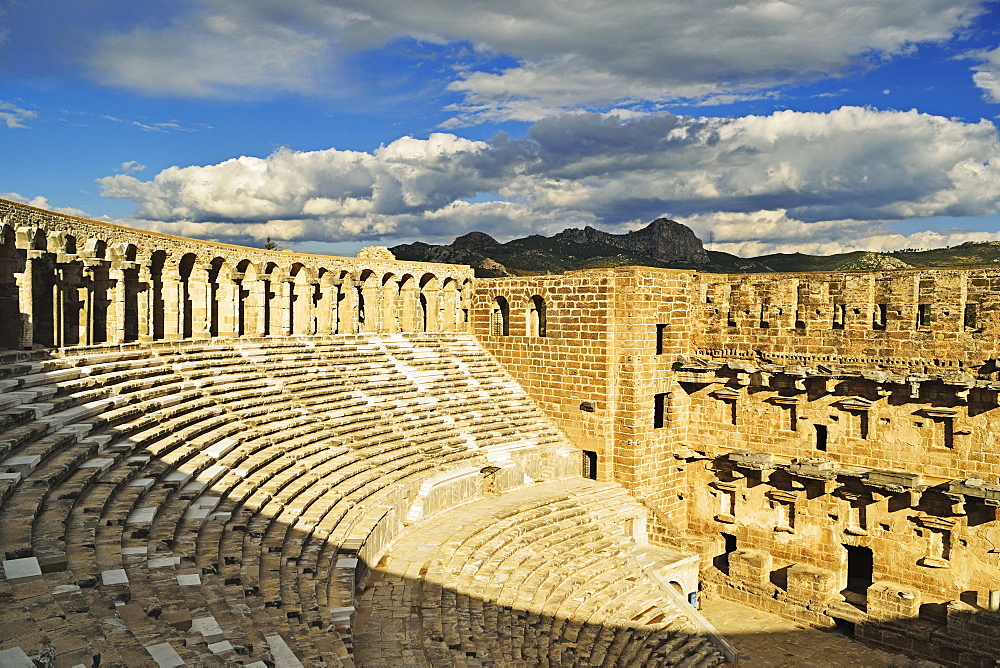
669 244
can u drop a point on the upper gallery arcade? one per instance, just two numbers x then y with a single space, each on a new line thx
81 282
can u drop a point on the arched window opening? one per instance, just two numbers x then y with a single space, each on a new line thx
536 316
500 317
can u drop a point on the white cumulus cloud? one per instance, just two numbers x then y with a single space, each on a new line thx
832 178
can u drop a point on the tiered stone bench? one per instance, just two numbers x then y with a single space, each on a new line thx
222 502
541 577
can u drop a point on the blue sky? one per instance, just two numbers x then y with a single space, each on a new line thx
817 126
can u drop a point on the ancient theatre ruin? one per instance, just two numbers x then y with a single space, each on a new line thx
216 455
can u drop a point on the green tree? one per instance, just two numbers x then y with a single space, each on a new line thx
270 245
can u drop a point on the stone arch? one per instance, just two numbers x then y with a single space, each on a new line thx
157 262
536 316
220 297
389 308
429 306
369 304
94 248
185 311
69 244
270 276
244 271
450 303
301 300
500 317
122 252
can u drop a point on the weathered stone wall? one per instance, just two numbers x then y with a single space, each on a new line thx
788 425
74 282
597 367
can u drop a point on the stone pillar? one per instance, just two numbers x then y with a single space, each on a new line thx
281 312
373 308
409 308
227 298
432 298
116 313
200 294
347 307
144 304
172 292
253 306
301 318
326 307
464 308
58 307
389 321
449 311
25 297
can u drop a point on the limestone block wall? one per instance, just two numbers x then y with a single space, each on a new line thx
828 441
70 281
610 340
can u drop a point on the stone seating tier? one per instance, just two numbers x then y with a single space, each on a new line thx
223 502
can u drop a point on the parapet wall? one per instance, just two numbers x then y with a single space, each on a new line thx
82 282
889 319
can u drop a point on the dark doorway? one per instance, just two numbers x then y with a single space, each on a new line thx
722 561
859 574
590 464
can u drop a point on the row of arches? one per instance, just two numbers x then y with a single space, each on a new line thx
99 292
535 317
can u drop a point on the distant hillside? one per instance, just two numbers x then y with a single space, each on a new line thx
663 243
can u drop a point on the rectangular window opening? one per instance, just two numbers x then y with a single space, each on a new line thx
880 317
971 318
821 436
923 315
661 333
839 315
659 410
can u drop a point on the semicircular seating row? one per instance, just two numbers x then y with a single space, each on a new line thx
220 503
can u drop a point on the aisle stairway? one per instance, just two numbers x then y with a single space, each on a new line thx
220 503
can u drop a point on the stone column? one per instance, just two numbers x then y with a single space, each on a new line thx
464 307
26 299
201 310
410 315
253 306
389 321
301 317
347 307
373 308
172 292
227 297
326 307
58 306
432 299
116 313
144 303
281 316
